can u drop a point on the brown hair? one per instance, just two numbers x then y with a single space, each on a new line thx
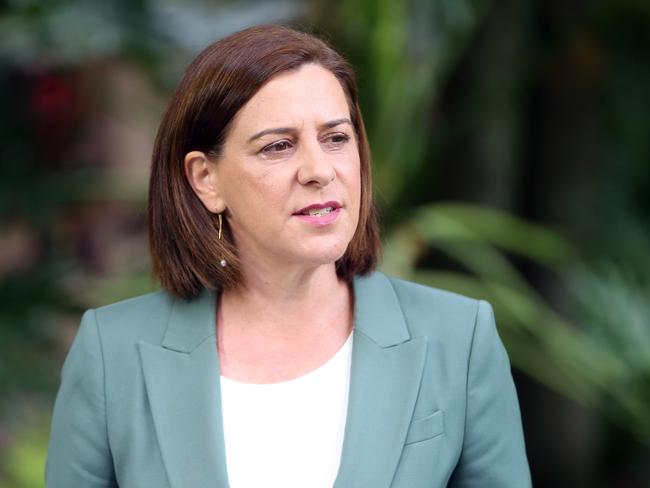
183 234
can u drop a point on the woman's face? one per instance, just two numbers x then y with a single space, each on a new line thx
289 173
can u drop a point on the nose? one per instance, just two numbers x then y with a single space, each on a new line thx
315 167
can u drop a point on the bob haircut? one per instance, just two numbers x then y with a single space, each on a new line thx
183 233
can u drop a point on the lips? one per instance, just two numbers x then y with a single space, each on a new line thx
319 209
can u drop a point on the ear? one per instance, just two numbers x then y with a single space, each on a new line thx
201 173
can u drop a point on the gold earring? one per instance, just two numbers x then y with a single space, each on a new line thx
222 263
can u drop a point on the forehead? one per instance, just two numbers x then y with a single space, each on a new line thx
309 94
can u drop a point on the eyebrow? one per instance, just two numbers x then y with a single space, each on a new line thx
288 130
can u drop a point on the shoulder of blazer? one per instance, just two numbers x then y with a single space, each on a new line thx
141 318
428 312
435 313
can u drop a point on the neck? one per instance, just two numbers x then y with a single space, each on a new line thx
290 301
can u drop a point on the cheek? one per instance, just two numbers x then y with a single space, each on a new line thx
353 178
272 187
252 195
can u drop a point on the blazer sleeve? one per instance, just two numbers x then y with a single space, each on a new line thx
493 453
78 454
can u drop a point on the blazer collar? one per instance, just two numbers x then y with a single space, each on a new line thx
380 319
191 322
182 381
377 312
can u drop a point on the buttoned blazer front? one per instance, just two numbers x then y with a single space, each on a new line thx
431 402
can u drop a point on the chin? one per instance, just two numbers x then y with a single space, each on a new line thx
325 254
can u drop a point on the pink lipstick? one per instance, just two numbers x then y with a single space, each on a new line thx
319 214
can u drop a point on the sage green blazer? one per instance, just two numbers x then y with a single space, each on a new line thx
431 404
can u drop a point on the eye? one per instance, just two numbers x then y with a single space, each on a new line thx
336 140
278 147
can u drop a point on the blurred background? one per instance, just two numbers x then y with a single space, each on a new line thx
511 145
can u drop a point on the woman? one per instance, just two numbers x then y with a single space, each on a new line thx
276 356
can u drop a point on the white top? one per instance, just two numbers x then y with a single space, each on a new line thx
287 434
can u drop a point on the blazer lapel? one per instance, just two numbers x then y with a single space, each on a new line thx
385 379
182 382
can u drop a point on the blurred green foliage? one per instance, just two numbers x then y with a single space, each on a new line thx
23 464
